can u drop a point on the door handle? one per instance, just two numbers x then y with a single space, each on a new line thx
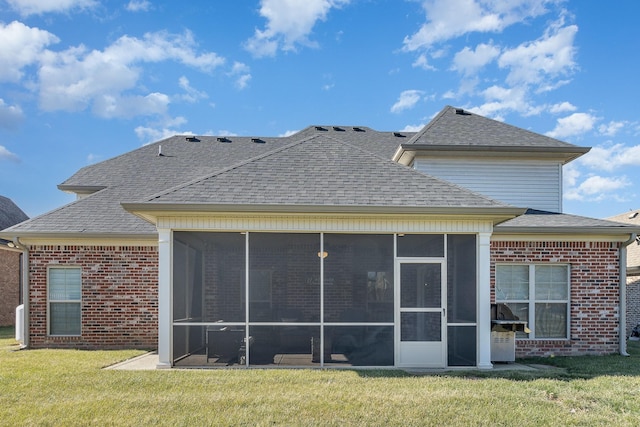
444 312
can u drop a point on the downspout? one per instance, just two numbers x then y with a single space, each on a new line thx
622 326
25 290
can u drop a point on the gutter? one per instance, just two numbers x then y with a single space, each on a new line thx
25 291
622 324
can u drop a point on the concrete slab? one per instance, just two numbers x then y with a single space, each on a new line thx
149 361
145 362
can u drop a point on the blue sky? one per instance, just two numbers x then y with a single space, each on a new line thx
82 81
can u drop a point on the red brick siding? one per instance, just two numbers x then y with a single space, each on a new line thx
594 300
9 286
119 296
633 303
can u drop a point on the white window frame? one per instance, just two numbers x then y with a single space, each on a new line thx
51 301
531 301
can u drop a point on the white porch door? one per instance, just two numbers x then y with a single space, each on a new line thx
421 315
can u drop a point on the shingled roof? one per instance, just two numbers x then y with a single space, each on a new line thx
317 174
633 251
537 221
168 163
319 169
456 129
10 213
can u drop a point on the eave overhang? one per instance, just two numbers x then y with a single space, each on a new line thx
564 233
151 211
81 189
406 153
10 235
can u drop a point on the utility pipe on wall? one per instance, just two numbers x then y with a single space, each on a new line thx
25 291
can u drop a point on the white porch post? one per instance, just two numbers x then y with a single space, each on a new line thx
484 301
164 298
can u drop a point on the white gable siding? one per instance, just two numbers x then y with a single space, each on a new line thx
531 184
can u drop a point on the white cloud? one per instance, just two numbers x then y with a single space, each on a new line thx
550 56
611 128
611 157
288 133
289 24
21 46
413 128
563 107
575 124
241 73
570 175
138 6
407 99
243 81
161 130
8 155
75 79
191 94
423 62
468 61
110 106
93 158
10 115
597 188
502 100
36 7
447 19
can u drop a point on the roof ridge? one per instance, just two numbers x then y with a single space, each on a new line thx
415 171
426 127
227 169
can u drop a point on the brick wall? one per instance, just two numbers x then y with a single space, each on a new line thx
594 293
119 296
633 302
9 286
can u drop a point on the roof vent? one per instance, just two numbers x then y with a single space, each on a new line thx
357 129
257 140
320 128
461 112
398 135
192 139
223 139
160 151
338 129
633 215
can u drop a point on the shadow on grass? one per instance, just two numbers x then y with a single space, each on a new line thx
7 332
558 368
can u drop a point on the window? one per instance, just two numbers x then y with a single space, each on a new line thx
538 293
64 300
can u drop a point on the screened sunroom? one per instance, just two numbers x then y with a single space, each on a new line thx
268 299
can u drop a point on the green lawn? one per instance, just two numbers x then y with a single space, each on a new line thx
68 387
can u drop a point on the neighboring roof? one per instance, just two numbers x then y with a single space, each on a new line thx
10 213
458 130
322 173
633 250
559 223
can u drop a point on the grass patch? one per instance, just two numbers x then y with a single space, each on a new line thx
68 387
